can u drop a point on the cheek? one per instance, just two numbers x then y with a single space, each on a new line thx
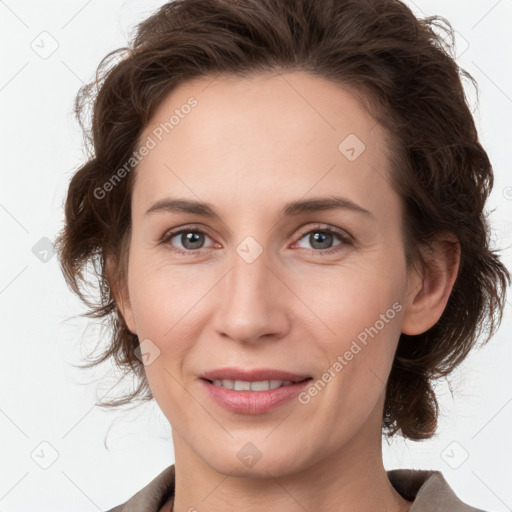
163 296
361 309
165 323
166 303
352 298
356 363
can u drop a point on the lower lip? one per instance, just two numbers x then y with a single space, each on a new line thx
253 402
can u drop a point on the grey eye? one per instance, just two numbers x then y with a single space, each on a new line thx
320 239
189 239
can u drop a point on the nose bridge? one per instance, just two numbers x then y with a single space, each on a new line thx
248 279
249 308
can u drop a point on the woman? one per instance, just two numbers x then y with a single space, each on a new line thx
284 206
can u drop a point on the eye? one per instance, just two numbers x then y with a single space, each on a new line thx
321 239
186 240
190 240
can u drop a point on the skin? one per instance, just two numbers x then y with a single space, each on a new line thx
250 146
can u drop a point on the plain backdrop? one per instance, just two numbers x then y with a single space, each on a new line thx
59 451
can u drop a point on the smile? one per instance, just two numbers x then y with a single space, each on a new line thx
244 385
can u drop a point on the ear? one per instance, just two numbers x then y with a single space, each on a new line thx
428 293
118 284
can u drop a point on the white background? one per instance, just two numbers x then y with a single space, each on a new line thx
104 457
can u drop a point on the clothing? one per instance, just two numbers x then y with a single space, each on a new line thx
428 490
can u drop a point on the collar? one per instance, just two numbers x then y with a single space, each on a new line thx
426 488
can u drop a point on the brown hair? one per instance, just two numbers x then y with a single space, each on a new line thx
400 66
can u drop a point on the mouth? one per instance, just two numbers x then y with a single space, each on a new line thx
259 385
252 392
256 379
255 400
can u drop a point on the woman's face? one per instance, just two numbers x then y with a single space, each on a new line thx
255 282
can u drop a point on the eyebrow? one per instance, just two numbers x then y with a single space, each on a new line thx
290 209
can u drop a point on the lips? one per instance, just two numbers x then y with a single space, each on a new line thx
252 402
253 375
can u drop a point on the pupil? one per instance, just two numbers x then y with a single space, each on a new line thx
322 237
195 239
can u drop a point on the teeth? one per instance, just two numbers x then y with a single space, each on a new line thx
243 385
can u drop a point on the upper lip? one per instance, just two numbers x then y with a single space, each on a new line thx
252 375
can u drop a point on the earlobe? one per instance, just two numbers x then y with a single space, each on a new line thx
121 296
125 312
428 293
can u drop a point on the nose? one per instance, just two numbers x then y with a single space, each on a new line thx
252 302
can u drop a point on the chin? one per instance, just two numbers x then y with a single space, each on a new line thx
249 462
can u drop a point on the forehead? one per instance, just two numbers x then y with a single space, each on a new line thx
291 132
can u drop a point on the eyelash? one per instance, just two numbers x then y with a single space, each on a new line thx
344 239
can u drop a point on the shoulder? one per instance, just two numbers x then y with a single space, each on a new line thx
428 490
151 497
